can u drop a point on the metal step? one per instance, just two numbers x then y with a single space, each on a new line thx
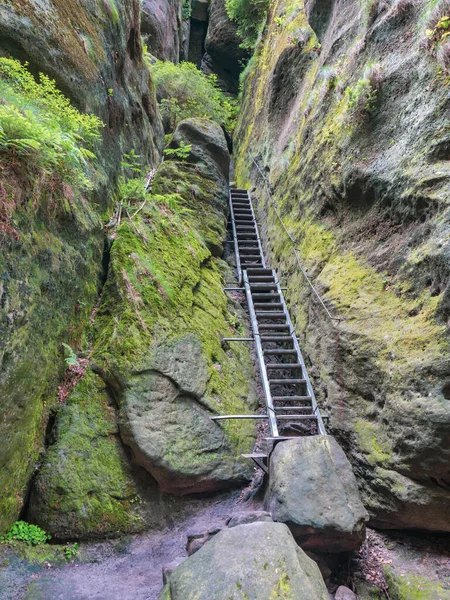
279 350
287 381
297 417
274 326
259 296
275 338
291 398
264 314
283 366
293 408
270 305
268 286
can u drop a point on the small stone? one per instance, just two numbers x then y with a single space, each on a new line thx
343 593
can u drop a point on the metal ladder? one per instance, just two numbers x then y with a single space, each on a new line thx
287 388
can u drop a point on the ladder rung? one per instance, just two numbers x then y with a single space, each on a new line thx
290 398
264 314
294 408
263 271
283 366
276 338
287 381
268 305
297 417
274 326
263 296
279 350
268 286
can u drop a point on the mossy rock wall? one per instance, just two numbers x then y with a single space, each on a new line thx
159 327
353 133
51 251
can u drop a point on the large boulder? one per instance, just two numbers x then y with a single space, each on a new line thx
208 144
313 490
158 329
167 422
224 55
258 561
161 27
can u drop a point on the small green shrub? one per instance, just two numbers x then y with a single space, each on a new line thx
25 532
70 551
182 152
40 127
186 10
71 358
183 91
362 98
250 17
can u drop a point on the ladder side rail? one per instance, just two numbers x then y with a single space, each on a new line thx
263 260
309 388
262 364
235 241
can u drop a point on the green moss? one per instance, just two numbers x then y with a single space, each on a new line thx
282 588
372 443
413 587
84 486
164 283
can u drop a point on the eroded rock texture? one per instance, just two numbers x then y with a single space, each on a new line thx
352 129
224 56
50 257
161 25
258 560
158 329
313 490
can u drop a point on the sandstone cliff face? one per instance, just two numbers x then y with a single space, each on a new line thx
50 256
162 28
346 107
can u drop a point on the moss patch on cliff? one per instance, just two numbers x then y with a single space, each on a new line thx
84 487
164 283
413 587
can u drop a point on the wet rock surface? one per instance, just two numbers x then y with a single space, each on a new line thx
313 490
260 560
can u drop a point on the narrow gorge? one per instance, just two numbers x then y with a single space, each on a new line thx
224 299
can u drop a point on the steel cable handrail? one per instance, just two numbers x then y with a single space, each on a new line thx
297 258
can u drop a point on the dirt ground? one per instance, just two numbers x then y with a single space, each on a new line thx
125 569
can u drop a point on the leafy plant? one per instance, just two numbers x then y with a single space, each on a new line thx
182 152
186 10
183 91
71 551
71 358
39 126
26 532
250 17
362 98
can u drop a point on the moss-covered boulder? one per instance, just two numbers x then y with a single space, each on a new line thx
51 237
348 118
158 329
258 561
84 487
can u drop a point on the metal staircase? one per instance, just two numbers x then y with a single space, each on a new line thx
289 396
